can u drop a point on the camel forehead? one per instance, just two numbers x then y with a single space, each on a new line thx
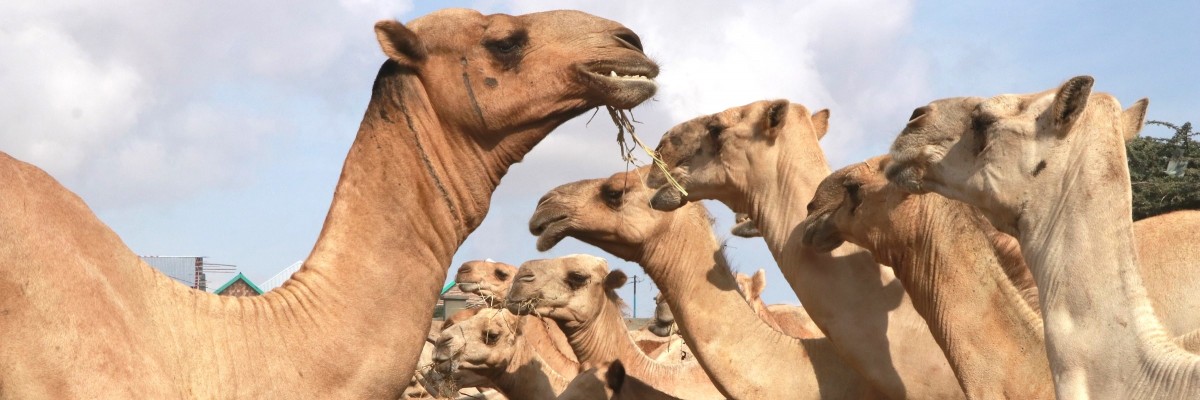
451 24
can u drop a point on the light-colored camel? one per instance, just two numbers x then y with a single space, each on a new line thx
743 226
579 293
1050 168
450 111
745 356
492 280
943 250
966 279
763 159
608 381
486 278
495 348
789 319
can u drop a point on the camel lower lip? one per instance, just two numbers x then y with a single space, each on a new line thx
621 84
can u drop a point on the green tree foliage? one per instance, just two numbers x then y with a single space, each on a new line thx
1155 191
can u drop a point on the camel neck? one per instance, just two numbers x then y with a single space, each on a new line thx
605 338
852 299
528 375
1101 329
412 188
538 335
690 269
951 268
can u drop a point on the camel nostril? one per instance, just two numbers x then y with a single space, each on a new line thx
812 205
525 278
464 269
630 40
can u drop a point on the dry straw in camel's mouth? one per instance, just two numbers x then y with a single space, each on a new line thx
625 123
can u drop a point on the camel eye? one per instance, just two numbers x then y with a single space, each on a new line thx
491 337
576 280
612 197
509 45
714 131
852 192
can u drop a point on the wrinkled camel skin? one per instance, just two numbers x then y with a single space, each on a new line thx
450 111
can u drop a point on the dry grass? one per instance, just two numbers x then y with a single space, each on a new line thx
624 122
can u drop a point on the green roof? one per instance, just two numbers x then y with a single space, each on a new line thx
242 278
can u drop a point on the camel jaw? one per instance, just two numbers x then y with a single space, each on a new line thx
550 226
620 84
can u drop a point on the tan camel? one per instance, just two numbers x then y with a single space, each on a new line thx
966 279
608 381
763 159
745 357
495 348
743 226
792 320
492 280
450 111
1050 168
579 293
486 278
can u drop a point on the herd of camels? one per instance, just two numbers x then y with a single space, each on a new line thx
991 254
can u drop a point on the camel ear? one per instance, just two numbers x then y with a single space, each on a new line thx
820 121
615 280
1069 102
399 43
615 377
758 283
774 117
1134 118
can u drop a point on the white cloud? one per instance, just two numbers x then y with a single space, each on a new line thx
142 101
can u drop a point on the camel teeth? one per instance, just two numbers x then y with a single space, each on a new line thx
612 74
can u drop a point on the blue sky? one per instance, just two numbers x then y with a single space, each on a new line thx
218 128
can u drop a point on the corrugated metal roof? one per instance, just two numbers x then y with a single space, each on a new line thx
281 277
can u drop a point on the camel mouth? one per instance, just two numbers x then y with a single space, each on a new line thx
668 198
621 84
550 228
818 235
469 287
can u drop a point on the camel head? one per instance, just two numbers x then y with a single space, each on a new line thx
486 278
714 156
852 204
664 320
745 227
752 288
613 214
572 290
473 349
1003 152
501 73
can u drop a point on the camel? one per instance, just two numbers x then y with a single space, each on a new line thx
496 348
763 159
792 320
746 357
492 280
486 278
743 226
942 250
966 279
1050 169
608 381
450 110
660 340
578 292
